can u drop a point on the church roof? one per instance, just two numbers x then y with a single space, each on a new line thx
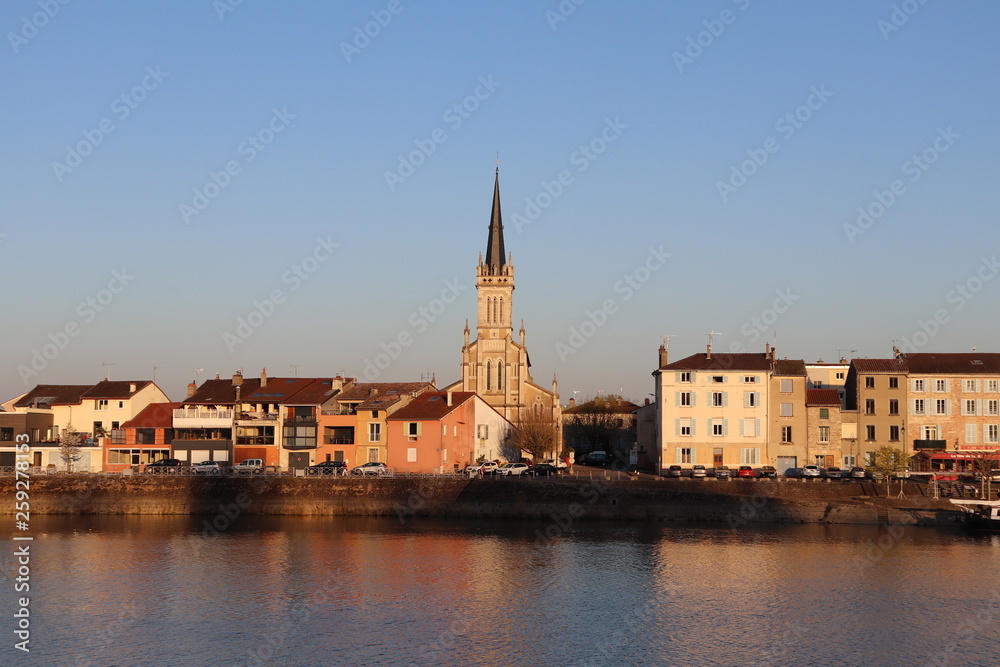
495 253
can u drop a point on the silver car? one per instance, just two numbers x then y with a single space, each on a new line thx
810 471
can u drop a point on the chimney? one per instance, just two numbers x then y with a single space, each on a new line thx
263 377
896 354
237 378
449 399
373 391
217 377
192 389
131 387
843 360
663 356
646 402
708 352
572 401
772 353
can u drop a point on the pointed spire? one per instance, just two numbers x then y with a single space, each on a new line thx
494 244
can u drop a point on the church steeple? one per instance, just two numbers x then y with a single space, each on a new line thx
495 254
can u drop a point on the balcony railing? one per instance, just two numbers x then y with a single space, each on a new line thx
330 440
202 413
300 443
930 444
265 416
301 421
339 411
255 440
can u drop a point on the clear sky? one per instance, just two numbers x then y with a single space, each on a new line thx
169 168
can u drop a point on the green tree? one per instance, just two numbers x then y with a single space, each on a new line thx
889 462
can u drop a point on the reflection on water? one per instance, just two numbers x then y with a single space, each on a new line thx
330 590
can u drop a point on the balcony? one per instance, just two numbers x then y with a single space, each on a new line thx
330 440
202 418
300 443
258 416
255 440
930 444
301 421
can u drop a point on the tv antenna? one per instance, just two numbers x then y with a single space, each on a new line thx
107 374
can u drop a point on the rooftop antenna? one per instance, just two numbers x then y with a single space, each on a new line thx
711 338
666 341
196 371
295 368
154 373
107 375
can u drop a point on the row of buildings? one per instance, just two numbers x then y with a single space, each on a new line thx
757 409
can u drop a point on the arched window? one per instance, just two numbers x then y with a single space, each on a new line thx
489 376
500 313
500 376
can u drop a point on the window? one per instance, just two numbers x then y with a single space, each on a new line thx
893 406
786 410
718 378
817 385
373 454
121 404
840 375
718 399
786 434
718 428
993 407
6 434
969 385
750 427
870 432
969 406
824 413
786 386
869 382
686 398
411 455
685 456
918 406
374 414
991 433
750 379
684 427
930 433
940 385
483 431
991 385
374 433
685 376
970 434
941 406
749 456
849 461
824 434
750 399
894 433
101 404
918 385
893 382
412 429
869 406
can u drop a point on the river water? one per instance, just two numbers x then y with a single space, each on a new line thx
144 590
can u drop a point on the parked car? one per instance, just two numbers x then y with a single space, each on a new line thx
206 468
371 468
489 467
834 473
512 469
164 467
810 471
723 472
857 472
327 468
559 463
675 471
598 459
768 472
543 470
698 470
745 471
249 467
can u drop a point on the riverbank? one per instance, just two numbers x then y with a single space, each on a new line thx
735 502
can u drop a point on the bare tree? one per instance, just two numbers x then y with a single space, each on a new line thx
985 465
534 433
598 424
69 447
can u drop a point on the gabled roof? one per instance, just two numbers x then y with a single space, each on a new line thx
154 415
53 394
822 397
879 365
431 405
221 392
380 395
318 391
789 367
956 363
120 389
721 362
277 390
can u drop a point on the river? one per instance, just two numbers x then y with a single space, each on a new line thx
150 591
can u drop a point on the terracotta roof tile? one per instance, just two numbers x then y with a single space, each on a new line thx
380 395
957 363
221 392
431 405
879 365
721 362
822 397
116 388
154 415
54 394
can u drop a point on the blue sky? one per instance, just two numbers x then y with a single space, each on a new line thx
171 167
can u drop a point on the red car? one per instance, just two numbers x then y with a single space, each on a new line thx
745 471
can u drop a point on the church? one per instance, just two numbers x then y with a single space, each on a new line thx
496 366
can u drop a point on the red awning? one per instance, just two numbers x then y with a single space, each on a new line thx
969 456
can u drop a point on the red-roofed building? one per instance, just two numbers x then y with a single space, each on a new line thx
444 431
145 438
